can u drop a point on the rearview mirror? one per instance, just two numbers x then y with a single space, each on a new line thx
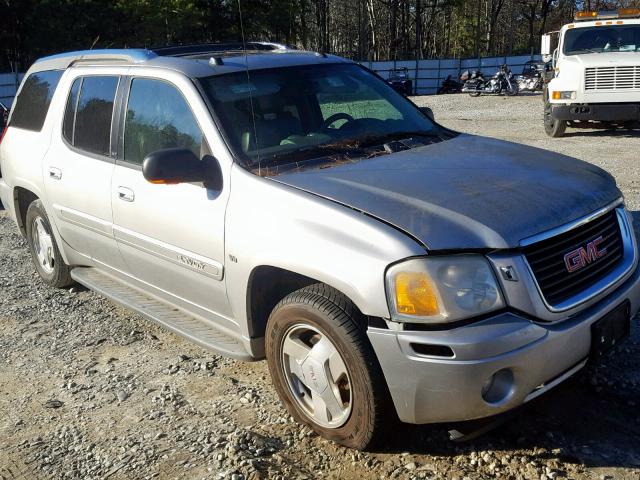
180 165
428 112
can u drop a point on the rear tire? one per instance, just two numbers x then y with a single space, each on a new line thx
44 249
553 127
353 399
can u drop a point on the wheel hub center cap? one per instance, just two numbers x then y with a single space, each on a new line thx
314 375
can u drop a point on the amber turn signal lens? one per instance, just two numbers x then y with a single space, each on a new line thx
629 12
583 15
415 294
555 95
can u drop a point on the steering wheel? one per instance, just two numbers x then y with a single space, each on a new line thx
334 118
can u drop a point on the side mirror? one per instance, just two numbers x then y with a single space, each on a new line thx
545 47
428 112
180 165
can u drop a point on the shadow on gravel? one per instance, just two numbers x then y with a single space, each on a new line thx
573 423
617 133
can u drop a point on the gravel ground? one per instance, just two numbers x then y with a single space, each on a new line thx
89 390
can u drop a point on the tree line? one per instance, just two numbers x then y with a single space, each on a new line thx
358 29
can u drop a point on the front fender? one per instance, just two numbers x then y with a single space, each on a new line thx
270 224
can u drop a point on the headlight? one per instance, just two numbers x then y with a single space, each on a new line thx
566 95
442 289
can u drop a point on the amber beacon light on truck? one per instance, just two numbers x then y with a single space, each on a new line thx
608 14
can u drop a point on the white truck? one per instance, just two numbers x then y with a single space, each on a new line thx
596 71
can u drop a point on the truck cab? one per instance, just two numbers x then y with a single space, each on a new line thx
596 76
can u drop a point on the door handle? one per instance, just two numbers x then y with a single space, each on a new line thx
55 173
126 194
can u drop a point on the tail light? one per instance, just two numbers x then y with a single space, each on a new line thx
4 131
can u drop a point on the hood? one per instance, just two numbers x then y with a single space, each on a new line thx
466 193
610 59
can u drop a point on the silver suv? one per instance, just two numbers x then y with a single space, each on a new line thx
291 205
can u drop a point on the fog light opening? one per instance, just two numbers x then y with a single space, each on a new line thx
498 387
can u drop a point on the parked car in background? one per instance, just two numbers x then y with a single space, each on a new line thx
292 206
400 81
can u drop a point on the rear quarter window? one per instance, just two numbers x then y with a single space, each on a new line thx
32 104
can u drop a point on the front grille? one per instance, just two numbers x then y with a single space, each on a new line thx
547 258
612 78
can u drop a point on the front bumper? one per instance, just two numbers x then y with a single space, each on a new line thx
430 389
601 112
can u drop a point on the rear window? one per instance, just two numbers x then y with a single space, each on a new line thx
32 104
88 115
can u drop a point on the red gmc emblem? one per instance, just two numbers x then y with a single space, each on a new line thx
581 257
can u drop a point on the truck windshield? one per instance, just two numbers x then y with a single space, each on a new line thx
281 116
620 38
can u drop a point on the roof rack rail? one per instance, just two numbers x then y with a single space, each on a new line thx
216 48
65 60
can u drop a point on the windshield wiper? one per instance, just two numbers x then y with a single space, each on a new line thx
388 137
347 149
309 153
587 50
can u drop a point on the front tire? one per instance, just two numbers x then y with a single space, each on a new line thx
324 369
553 127
44 249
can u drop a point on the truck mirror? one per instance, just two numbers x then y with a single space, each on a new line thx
545 48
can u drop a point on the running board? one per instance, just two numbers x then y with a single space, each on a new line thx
172 318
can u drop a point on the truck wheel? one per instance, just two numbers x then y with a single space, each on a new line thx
44 250
324 369
553 127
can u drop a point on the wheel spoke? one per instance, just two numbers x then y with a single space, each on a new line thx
295 349
337 368
326 406
320 410
334 405
296 369
323 350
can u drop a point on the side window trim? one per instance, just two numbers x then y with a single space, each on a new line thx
113 128
75 110
126 92
122 118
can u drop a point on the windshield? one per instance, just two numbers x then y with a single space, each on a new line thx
622 38
311 112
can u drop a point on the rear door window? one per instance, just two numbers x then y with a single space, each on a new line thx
158 117
89 113
32 104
